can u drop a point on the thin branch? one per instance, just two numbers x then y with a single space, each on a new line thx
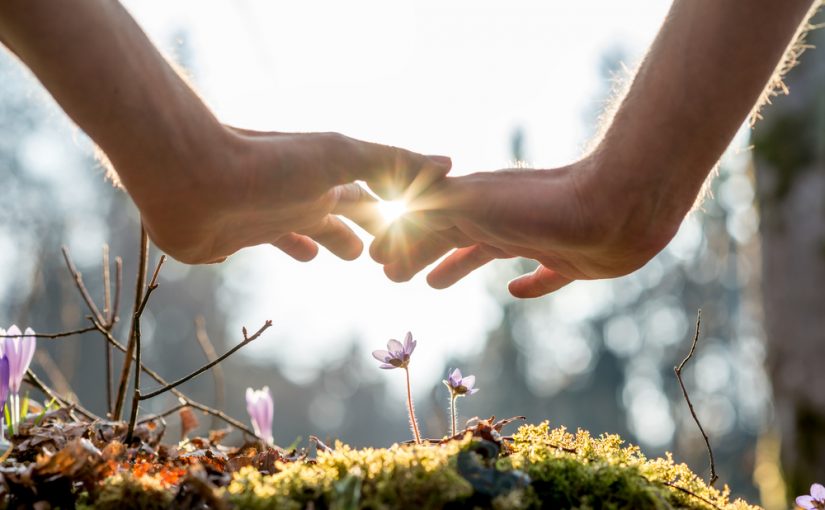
78 281
177 393
211 355
136 326
164 414
143 262
53 372
246 341
40 385
108 314
107 285
691 493
678 371
113 318
53 336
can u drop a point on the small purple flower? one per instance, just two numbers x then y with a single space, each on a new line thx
814 501
19 350
260 408
460 386
396 355
4 386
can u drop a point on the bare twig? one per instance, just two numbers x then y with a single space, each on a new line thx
54 336
78 281
177 393
37 383
164 414
107 285
143 262
108 314
211 355
678 371
113 318
691 493
136 327
53 372
247 340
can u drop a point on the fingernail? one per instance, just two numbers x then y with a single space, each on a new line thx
442 161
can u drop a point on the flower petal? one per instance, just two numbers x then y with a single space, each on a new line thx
818 492
395 346
805 502
386 366
469 381
381 355
472 391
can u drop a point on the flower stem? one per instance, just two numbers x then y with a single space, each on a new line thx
453 413
413 422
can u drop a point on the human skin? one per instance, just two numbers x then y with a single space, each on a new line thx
204 190
609 213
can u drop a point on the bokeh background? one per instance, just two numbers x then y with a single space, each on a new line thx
492 85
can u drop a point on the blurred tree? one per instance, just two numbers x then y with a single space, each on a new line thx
789 154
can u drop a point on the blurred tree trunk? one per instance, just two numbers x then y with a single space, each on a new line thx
789 155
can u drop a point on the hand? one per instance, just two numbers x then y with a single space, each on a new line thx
251 188
575 228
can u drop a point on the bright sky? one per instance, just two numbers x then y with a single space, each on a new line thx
438 77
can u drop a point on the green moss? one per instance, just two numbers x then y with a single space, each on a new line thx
565 471
124 491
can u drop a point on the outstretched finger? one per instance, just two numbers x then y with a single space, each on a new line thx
462 262
390 171
337 237
538 283
407 264
357 204
297 246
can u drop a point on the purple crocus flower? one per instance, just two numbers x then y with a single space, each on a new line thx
4 386
460 386
19 350
260 408
814 501
396 355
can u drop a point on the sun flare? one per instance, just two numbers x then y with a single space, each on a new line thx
391 210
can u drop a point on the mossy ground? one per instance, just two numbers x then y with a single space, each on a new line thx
540 468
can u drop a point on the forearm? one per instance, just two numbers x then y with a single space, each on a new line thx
698 83
106 74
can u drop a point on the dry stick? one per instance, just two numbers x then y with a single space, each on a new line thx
107 285
107 313
153 284
164 414
211 355
53 372
678 371
78 281
691 493
143 262
180 395
113 318
53 336
37 383
246 341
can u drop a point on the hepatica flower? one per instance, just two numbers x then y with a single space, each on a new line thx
814 501
459 386
398 355
18 348
260 407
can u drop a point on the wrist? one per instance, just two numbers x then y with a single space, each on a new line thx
637 214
